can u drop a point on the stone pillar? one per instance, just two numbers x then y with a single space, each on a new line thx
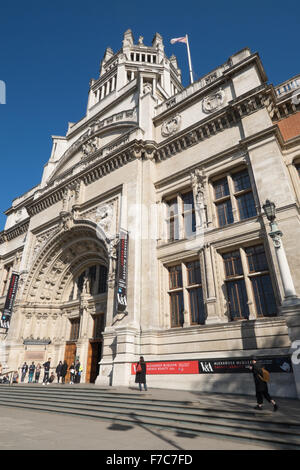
108 354
210 286
127 339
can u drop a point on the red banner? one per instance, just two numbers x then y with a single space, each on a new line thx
169 367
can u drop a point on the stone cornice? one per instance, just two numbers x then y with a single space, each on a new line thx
15 231
98 169
224 119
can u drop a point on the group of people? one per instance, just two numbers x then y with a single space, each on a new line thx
261 385
34 372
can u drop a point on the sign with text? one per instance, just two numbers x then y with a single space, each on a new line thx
9 303
122 271
169 367
233 366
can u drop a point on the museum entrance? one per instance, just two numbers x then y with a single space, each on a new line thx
70 357
94 357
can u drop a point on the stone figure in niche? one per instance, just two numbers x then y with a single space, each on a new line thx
86 285
198 179
147 88
113 256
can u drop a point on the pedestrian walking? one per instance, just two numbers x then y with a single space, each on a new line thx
72 374
58 371
140 376
77 371
46 366
261 385
24 370
64 370
37 373
31 372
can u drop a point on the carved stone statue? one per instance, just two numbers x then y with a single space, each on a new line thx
198 180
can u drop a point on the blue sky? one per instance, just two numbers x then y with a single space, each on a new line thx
49 51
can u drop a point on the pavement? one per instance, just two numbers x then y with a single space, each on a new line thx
36 430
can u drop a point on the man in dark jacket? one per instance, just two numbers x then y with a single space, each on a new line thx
64 370
261 387
58 371
46 366
24 371
140 376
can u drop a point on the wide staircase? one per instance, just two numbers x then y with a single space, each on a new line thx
206 415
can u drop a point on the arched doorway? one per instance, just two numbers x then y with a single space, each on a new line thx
68 281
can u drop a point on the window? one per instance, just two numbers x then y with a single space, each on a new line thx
243 193
235 286
248 280
96 282
186 295
75 325
233 190
261 281
181 220
98 326
172 220
197 310
189 214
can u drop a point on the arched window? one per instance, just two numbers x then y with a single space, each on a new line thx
93 279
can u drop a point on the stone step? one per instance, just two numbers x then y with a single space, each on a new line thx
153 404
217 426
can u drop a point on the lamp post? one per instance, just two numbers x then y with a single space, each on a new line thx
290 296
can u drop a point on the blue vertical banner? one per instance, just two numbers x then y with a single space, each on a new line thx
9 302
122 269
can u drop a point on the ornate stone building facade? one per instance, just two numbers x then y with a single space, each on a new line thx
185 172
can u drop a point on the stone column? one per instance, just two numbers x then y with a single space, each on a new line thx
291 304
210 285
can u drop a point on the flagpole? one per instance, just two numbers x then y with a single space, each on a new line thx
189 58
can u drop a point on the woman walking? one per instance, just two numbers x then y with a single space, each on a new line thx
261 386
140 376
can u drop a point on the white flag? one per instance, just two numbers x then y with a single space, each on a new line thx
174 40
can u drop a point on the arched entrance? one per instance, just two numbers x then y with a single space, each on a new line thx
68 282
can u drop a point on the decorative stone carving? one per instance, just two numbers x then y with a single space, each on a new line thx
105 217
171 126
147 88
198 180
90 146
113 255
214 101
66 221
41 240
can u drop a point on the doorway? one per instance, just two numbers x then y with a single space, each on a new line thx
70 356
94 357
